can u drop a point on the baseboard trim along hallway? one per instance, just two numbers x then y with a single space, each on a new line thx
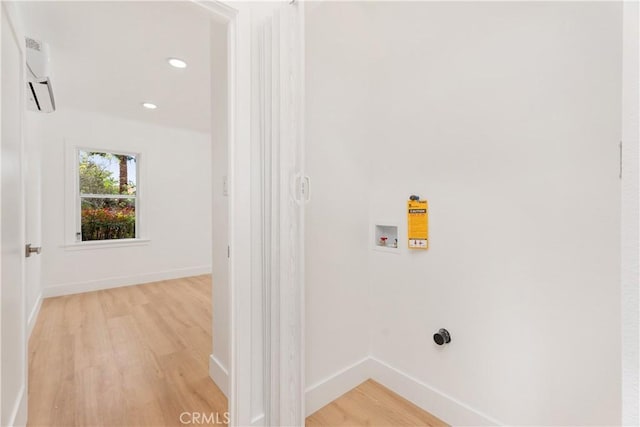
421 394
219 374
19 413
329 389
117 282
428 397
33 316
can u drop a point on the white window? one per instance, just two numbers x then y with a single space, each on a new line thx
107 195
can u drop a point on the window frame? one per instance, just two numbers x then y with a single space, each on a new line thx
73 211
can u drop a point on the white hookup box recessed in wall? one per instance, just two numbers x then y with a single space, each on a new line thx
385 237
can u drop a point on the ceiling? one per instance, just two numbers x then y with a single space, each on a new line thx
109 57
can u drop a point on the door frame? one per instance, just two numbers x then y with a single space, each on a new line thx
630 203
19 411
284 188
282 298
237 18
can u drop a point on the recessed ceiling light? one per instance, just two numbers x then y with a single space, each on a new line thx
149 105
177 63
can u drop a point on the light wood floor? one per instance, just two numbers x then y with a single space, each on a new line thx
371 404
132 356
138 356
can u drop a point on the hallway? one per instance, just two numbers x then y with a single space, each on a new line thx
135 356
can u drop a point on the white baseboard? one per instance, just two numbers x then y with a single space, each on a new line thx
116 282
432 400
219 374
19 413
33 316
329 389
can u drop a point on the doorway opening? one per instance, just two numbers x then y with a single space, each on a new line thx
120 304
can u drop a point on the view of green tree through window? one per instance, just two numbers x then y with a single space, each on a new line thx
108 196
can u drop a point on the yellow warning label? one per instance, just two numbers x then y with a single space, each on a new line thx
418 224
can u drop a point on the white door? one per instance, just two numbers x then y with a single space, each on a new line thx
285 193
13 373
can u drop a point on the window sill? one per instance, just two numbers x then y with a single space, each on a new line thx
106 244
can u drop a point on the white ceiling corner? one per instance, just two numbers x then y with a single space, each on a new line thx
109 57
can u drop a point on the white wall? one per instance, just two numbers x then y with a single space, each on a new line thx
506 117
339 113
177 200
219 364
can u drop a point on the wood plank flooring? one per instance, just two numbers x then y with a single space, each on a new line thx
131 356
371 404
138 356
